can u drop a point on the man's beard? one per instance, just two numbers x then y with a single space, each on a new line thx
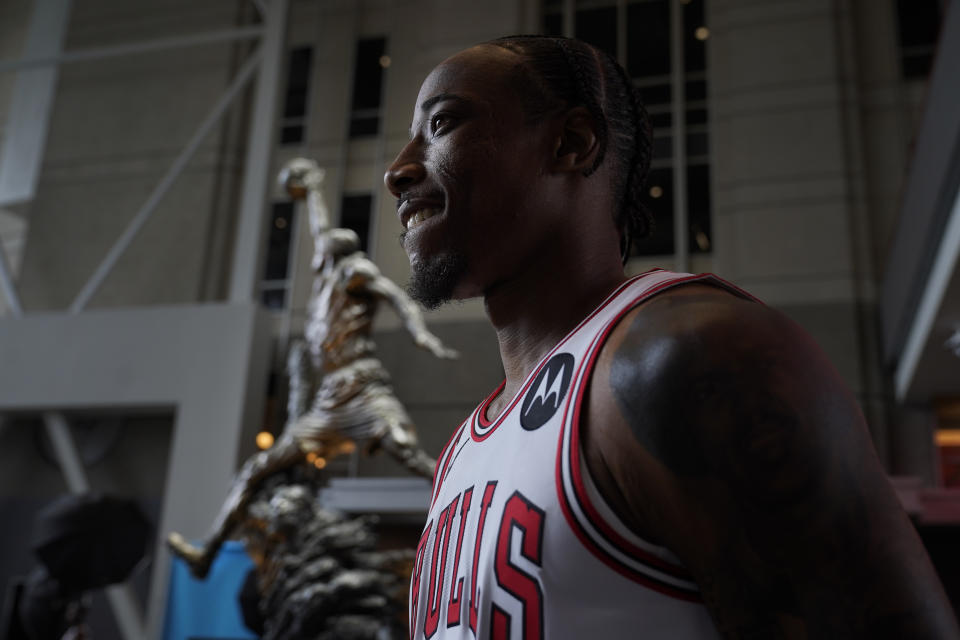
432 281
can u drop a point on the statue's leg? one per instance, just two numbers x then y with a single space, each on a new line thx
403 446
284 453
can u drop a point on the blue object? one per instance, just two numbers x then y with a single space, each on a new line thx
208 609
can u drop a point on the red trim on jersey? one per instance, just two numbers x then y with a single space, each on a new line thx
481 415
438 472
580 494
482 411
612 562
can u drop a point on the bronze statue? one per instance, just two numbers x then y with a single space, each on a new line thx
354 402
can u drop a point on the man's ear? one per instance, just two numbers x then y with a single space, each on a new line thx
577 145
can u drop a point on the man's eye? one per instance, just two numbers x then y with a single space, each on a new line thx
439 121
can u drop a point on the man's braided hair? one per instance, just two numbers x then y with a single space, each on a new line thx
565 73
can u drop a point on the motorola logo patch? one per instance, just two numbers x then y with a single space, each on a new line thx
547 392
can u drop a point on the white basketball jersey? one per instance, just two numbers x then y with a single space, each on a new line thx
519 544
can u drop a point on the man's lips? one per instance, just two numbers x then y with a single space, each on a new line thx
413 211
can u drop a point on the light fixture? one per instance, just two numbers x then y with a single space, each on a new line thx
948 437
385 61
656 191
320 463
703 242
701 34
264 440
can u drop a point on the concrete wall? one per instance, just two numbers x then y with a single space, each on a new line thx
810 136
117 125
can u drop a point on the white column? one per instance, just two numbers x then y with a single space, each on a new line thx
248 246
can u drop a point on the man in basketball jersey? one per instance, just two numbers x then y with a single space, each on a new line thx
667 457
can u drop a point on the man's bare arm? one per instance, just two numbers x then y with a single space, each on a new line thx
718 427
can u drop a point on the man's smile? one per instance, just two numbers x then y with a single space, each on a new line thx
413 211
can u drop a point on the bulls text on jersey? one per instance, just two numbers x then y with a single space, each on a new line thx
519 515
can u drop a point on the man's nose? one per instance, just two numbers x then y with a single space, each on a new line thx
406 171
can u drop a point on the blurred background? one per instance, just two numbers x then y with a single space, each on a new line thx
152 272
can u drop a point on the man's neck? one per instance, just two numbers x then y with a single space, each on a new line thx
533 312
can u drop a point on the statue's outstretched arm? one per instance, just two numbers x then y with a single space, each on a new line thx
412 318
303 179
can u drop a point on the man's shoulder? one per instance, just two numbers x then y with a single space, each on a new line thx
702 318
691 361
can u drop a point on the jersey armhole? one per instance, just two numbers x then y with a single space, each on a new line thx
590 516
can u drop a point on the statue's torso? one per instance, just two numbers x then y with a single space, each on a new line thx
340 314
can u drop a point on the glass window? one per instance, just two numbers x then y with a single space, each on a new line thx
598 26
697 143
355 214
367 87
660 120
296 95
298 80
277 263
918 24
658 199
278 248
291 133
698 207
552 24
695 34
656 94
648 39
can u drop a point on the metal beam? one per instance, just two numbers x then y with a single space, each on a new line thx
6 283
679 140
160 44
66 452
248 246
179 163
31 103
945 263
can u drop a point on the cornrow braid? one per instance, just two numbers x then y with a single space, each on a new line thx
561 73
637 220
587 94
